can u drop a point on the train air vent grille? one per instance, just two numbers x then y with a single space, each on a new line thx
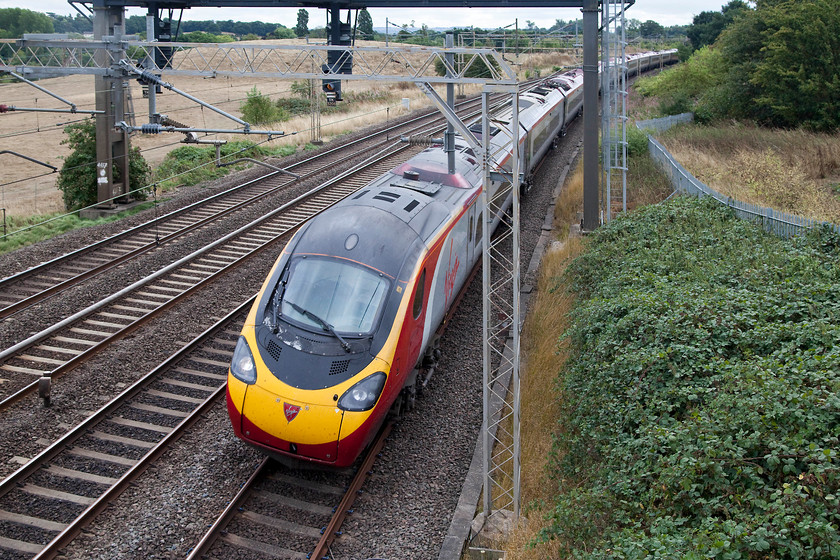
387 196
274 349
411 205
339 367
361 194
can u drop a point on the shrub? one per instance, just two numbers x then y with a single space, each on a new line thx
258 108
77 177
686 87
700 403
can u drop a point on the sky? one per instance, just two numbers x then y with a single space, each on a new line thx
665 12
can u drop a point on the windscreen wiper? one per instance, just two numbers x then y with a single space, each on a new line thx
326 326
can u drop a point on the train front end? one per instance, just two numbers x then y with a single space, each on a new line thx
311 379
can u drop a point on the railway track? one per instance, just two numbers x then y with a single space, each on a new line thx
22 290
283 513
48 501
58 349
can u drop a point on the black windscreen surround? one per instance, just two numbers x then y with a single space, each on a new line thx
309 360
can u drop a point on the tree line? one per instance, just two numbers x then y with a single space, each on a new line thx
16 21
775 63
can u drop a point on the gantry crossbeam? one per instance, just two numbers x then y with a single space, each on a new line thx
40 58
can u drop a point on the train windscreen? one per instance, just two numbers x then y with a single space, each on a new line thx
346 296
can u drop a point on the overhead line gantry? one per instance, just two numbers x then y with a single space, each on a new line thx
105 57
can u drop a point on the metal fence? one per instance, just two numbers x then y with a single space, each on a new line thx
774 221
664 123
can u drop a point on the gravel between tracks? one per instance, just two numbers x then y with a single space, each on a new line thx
406 506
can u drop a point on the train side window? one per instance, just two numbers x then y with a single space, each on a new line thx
478 228
418 295
471 227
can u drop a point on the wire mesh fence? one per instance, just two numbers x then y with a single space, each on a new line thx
774 221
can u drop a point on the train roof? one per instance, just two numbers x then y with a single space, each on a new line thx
394 215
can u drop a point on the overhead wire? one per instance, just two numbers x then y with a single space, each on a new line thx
152 185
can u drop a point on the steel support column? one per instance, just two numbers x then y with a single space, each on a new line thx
590 115
501 318
449 135
111 143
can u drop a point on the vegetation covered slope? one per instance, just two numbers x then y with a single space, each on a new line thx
701 402
777 65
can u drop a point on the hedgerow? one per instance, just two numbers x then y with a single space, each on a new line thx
701 405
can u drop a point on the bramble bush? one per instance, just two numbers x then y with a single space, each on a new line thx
701 403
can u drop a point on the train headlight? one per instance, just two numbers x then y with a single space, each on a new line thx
364 394
242 365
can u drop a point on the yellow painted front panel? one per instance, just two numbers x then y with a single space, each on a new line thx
313 424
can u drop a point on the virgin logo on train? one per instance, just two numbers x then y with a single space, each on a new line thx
291 411
449 280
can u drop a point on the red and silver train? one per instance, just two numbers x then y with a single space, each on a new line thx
342 330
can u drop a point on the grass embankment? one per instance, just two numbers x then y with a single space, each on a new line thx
790 170
190 165
187 165
699 402
544 356
51 225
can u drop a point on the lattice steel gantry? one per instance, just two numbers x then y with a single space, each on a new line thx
501 318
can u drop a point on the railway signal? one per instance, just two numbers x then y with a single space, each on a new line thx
339 61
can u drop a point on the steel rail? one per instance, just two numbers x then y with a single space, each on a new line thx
148 227
329 532
14 480
262 221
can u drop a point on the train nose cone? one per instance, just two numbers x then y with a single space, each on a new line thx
280 423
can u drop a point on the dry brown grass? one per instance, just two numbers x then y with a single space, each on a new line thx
790 170
22 194
543 358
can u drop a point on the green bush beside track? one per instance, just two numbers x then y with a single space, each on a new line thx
701 405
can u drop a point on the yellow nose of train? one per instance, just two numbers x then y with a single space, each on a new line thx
302 425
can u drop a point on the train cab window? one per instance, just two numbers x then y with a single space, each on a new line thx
417 307
345 295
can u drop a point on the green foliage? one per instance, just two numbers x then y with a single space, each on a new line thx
637 142
14 22
651 29
365 25
707 26
281 32
775 65
477 69
258 108
784 64
204 37
77 177
691 86
301 89
302 27
190 165
47 226
76 24
700 403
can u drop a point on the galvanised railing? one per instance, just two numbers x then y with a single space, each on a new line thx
774 221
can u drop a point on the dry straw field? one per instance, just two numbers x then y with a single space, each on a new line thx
27 188
790 170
